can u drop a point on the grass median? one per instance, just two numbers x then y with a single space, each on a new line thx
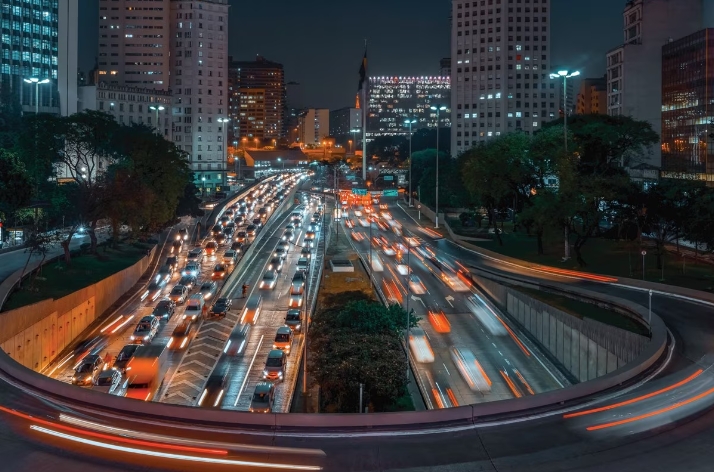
58 279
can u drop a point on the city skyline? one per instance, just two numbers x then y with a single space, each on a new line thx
392 51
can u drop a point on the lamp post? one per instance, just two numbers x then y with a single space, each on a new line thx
438 109
37 82
157 109
410 123
255 140
224 125
203 186
565 75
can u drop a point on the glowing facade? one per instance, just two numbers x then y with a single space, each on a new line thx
393 100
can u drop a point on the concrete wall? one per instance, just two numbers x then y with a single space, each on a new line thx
34 335
586 348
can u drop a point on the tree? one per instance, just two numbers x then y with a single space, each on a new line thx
15 183
37 244
541 213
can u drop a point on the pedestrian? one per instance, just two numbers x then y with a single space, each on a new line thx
245 290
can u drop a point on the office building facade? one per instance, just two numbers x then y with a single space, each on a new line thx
592 97
501 62
313 126
688 107
445 67
39 41
251 79
134 42
393 100
634 69
346 126
199 83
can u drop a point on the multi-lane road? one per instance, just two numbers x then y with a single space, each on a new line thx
454 316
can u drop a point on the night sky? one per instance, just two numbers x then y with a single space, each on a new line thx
320 42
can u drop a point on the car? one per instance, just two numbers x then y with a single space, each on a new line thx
195 255
263 398
283 339
124 356
303 265
293 319
153 291
296 300
111 382
229 212
298 283
224 220
217 229
237 247
181 335
208 289
416 285
237 340
290 227
172 261
192 268
164 309
389 250
87 371
313 227
219 239
275 365
176 246
219 272
288 236
178 294
310 235
276 264
270 278
164 274
306 253
284 244
211 248
188 281
229 257
240 237
309 243
297 222
280 252
214 389
239 219
145 330
183 233
251 230
220 307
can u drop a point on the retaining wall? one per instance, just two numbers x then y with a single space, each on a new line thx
34 335
586 348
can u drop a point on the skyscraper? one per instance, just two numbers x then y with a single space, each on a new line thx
199 81
634 69
134 42
251 79
39 41
592 97
500 54
393 100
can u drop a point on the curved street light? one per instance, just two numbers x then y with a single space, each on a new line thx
37 82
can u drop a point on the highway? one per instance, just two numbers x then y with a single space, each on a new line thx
511 365
189 367
671 427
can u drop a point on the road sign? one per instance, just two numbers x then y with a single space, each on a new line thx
350 177
388 177
359 191
391 193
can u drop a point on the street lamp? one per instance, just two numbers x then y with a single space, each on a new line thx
438 108
256 142
565 75
37 82
157 109
224 123
410 123
280 159
203 186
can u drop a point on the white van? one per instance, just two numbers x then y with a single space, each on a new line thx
194 306
251 312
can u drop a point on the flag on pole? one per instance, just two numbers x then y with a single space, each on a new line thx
362 71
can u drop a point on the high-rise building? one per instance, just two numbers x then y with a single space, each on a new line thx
687 111
39 40
342 123
393 100
268 78
592 97
500 56
134 42
313 126
445 67
634 69
199 82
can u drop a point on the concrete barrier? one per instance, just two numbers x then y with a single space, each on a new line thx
35 334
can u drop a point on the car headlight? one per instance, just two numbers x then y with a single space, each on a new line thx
132 337
146 338
89 377
265 373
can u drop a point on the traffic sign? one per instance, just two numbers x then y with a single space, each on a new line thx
391 193
388 177
359 191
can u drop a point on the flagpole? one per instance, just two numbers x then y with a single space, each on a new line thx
365 110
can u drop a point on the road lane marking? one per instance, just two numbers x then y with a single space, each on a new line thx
247 373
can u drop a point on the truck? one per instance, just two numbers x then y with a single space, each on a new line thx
146 371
